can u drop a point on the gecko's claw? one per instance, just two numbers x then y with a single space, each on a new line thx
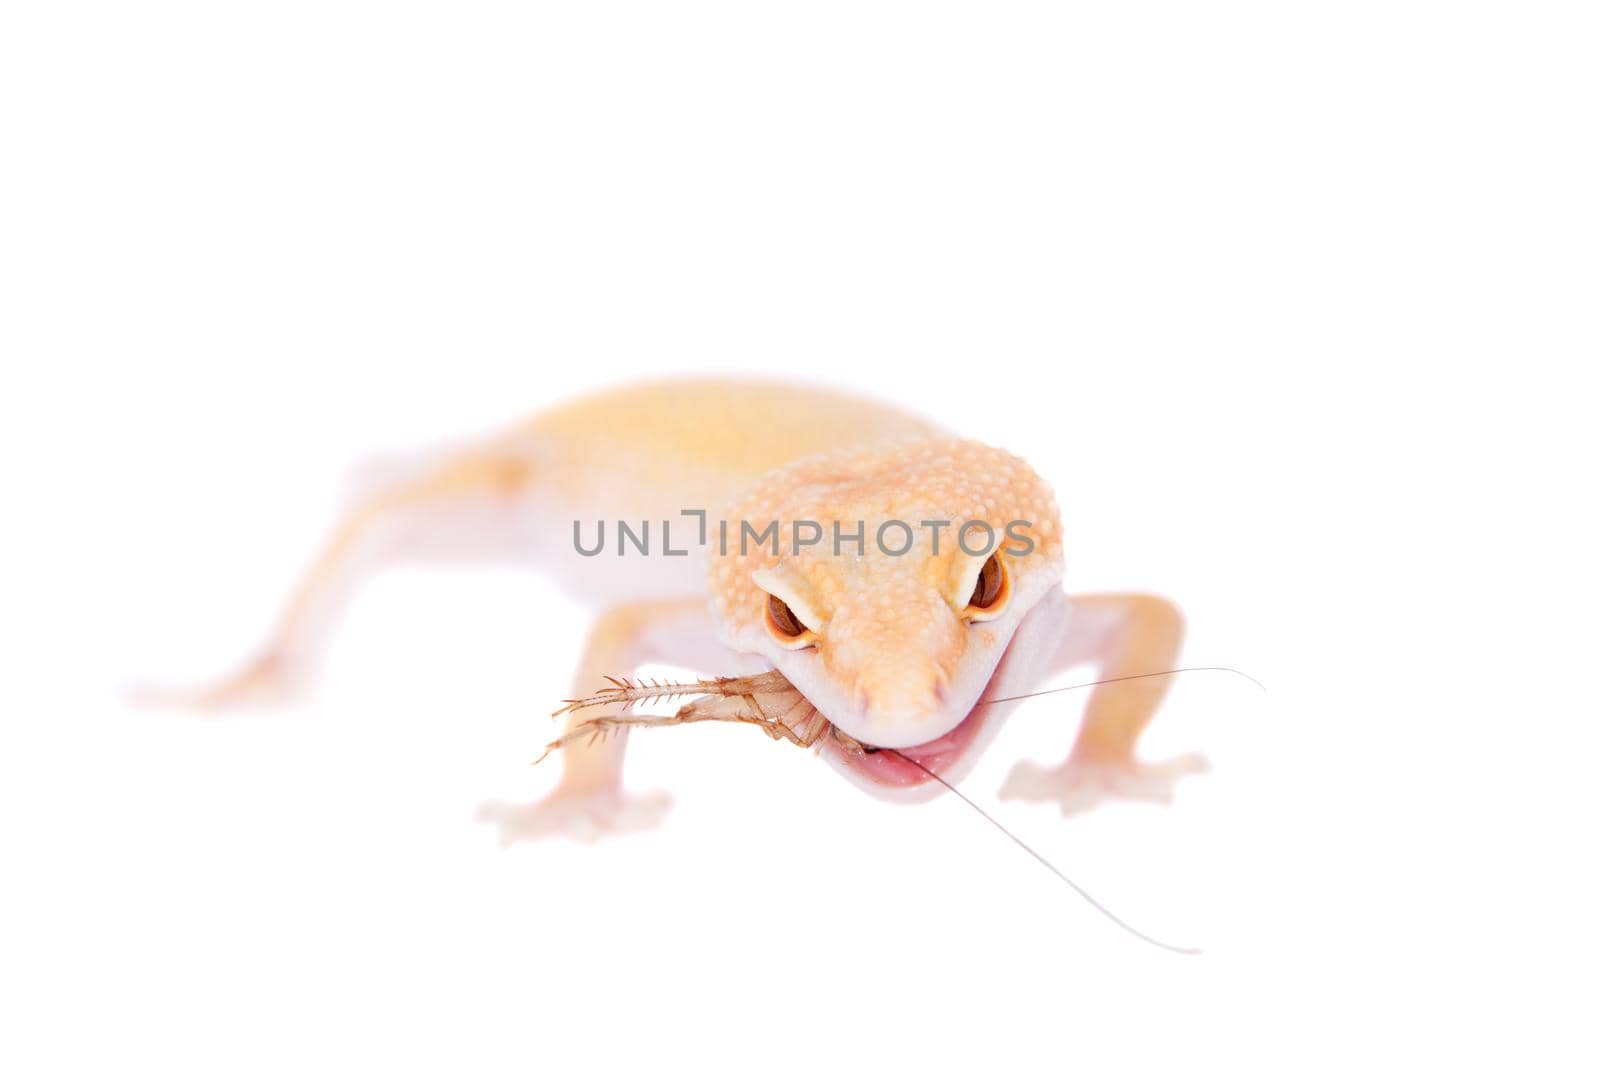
586 815
1081 784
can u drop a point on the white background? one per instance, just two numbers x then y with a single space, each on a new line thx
1295 305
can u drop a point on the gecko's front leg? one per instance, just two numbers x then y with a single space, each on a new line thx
1124 635
589 801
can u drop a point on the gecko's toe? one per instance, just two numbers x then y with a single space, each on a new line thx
577 816
1079 785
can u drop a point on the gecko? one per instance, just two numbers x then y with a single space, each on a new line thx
905 580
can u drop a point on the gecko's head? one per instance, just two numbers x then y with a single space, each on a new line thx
893 634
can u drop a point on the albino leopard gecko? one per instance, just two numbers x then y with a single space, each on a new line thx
877 595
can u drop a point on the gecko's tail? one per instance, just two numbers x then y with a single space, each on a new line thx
448 505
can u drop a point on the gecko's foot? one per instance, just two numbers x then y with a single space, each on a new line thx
1081 784
585 815
264 683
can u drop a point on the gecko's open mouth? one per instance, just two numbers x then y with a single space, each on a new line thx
885 767
899 768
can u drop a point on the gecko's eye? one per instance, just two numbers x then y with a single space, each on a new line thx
990 592
786 627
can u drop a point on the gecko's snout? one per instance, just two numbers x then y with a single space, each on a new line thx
892 713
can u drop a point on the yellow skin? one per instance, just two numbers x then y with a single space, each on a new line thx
893 653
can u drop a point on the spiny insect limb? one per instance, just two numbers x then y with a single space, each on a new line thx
627 692
724 700
594 729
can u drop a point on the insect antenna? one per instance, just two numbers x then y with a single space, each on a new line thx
1052 868
1123 678
1029 849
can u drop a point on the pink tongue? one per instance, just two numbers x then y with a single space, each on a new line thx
890 769
934 755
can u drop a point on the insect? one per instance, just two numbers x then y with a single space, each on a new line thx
857 580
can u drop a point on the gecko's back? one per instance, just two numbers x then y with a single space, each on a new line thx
646 452
735 429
